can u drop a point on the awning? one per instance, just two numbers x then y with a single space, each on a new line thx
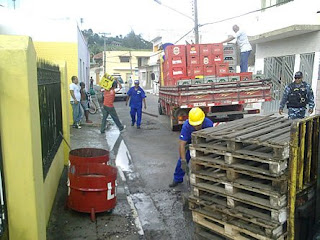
282 33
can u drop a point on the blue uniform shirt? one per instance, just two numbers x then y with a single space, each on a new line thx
136 97
188 129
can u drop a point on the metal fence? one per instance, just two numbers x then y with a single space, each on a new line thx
50 111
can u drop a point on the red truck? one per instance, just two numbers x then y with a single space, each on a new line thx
203 75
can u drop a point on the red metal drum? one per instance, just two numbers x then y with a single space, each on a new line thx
91 186
88 155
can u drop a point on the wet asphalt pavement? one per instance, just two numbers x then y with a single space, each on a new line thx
146 207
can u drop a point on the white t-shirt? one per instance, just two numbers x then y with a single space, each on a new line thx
76 91
242 41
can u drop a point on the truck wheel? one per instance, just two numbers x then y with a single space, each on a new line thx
173 125
160 109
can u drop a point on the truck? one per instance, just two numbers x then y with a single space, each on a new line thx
203 75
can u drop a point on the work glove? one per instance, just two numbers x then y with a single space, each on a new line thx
184 165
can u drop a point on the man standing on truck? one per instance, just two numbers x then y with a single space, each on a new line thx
136 96
196 121
245 46
297 95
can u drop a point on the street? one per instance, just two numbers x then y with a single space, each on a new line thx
154 152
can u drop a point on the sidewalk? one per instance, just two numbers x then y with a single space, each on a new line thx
65 224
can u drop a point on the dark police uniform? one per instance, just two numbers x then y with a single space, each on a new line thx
297 97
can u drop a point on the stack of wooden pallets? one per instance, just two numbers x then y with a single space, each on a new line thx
239 179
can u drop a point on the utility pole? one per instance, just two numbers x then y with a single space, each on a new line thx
130 64
195 19
196 24
104 34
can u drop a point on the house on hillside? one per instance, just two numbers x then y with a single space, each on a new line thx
288 45
128 63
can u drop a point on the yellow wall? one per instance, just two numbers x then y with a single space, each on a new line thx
21 138
67 52
52 181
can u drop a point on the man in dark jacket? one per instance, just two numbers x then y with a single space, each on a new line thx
297 95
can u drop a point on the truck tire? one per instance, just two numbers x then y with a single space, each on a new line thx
160 109
173 125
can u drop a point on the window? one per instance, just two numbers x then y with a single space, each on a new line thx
124 59
268 3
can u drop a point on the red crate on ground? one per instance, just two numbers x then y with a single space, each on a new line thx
193 60
245 76
175 50
195 70
217 58
177 61
205 49
222 69
217 48
209 70
193 50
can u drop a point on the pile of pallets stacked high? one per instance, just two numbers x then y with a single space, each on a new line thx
239 178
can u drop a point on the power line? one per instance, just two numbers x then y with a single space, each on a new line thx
230 18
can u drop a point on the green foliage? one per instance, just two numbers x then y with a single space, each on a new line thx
130 42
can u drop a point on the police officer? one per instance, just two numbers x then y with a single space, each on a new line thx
136 96
297 95
196 121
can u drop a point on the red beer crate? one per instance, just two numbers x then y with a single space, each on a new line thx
222 69
193 60
176 72
245 76
177 61
205 49
206 59
175 50
193 50
217 48
217 58
195 70
209 70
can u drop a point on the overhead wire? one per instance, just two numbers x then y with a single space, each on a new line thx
230 18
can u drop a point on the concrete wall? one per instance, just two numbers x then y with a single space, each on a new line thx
20 129
29 197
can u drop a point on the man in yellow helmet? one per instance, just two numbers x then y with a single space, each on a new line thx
197 121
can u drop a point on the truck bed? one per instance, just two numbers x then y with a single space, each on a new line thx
217 94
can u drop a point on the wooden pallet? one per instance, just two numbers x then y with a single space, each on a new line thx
203 233
234 228
210 192
238 162
263 137
244 188
202 169
268 219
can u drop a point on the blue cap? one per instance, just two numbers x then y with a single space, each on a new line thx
298 75
136 81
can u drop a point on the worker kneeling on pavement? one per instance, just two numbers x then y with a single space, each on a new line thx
196 121
297 95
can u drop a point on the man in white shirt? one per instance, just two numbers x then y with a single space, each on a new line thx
243 43
75 101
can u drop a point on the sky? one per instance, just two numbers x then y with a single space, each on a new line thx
145 17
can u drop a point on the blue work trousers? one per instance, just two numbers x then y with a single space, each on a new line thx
244 57
179 173
136 111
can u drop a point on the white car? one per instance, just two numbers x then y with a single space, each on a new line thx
121 93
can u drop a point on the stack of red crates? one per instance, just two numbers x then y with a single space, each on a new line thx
188 61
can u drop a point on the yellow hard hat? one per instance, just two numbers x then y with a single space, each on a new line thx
196 116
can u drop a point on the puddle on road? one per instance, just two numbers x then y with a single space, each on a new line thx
119 149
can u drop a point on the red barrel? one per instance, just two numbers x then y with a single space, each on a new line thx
92 183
